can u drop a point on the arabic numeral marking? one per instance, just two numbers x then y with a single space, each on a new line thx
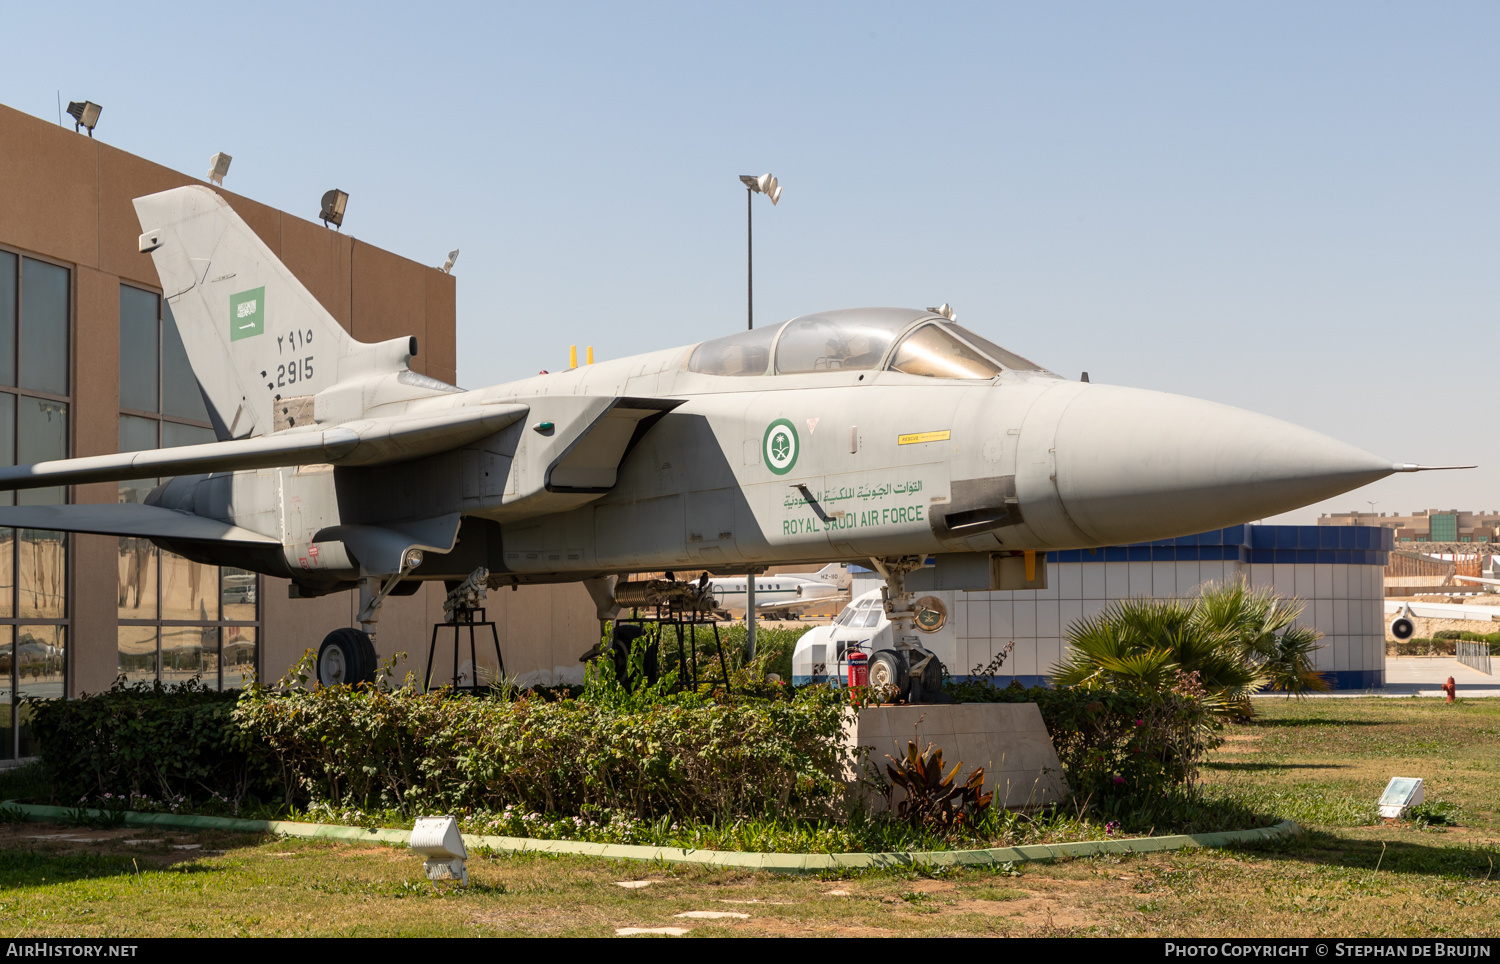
280 376
307 367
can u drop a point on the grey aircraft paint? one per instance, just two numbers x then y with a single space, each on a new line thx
886 434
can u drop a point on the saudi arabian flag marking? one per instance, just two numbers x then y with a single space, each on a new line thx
780 446
247 314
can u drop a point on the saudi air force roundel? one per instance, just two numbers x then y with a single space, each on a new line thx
780 446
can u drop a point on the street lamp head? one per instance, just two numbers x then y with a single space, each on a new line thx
764 184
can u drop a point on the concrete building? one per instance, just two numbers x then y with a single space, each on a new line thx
1337 573
1426 525
90 363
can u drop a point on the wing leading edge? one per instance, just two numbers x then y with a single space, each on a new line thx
359 443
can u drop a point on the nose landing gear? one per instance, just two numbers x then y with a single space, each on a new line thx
907 671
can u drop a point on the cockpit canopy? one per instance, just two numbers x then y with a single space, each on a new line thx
859 339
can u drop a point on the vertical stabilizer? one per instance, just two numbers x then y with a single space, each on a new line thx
260 344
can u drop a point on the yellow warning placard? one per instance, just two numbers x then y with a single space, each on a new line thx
922 437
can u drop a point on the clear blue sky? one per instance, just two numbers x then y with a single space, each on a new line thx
1287 207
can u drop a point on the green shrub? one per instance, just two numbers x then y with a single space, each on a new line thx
1116 744
1447 634
170 744
1422 646
646 753
1236 639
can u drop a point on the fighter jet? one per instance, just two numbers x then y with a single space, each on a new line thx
888 436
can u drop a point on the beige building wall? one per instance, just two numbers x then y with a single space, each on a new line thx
66 197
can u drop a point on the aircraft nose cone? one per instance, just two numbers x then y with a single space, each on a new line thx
1134 465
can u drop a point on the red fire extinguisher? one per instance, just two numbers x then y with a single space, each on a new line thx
859 669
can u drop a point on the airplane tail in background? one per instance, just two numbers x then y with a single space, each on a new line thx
260 344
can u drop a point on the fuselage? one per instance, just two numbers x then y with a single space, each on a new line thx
749 470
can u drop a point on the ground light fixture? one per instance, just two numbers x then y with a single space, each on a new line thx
438 839
85 114
768 185
334 202
1400 793
448 265
218 166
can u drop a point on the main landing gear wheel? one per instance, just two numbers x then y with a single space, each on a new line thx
926 679
888 676
346 656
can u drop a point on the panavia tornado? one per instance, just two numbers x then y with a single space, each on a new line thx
888 436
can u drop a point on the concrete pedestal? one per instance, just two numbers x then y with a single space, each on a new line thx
1008 739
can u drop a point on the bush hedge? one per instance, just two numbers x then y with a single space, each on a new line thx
644 752
165 744
1116 743
681 754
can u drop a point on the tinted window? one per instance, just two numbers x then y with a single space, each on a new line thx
44 327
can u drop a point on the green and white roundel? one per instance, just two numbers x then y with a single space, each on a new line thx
780 446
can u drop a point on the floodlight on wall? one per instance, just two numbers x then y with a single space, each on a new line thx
334 202
438 839
218 166
85 113
948 313
448 265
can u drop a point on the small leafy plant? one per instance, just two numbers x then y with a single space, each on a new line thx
932 799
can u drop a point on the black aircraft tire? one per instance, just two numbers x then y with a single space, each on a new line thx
888 673
346 656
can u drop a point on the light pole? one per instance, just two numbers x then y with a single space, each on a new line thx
767 185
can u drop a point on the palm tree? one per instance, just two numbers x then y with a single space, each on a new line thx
1236 639
1259 622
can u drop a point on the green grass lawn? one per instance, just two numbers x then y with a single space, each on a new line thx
1321 762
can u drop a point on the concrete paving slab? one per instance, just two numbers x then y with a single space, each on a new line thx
1408 676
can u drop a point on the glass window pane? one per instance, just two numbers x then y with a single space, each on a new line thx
175 433
40 657
7 439
136 651
43 571
139 311
137 579
933 352
188 651
7 694
189 590
179 388
239 589
7 573
9 265
837 342
240 658
42 437
747 353
137 434
44 327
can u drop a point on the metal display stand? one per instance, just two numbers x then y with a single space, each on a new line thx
464 616
686 622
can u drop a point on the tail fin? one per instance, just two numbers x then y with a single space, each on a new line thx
258 341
